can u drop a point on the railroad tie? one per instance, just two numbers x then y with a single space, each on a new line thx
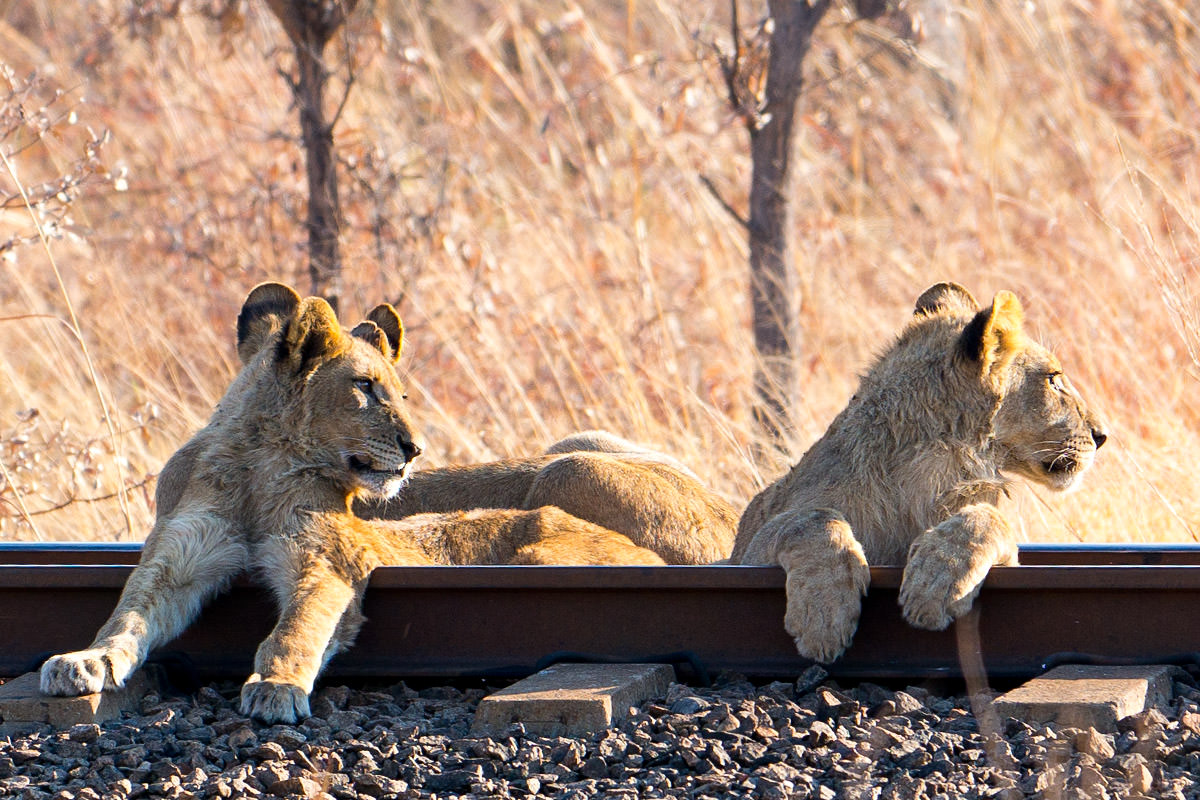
572 699
1081 696
23 706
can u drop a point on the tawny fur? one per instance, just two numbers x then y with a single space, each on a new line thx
598 441
912 470
646 495
314 420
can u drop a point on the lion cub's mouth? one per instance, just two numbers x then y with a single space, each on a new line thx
1062 465
1064 470
364 465
385 482
359 464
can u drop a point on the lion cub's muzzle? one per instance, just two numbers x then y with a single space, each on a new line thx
384 474
1064 468
411 450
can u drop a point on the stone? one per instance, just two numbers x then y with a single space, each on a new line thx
455 781
572 699
1097 745
595 768
289 738
242 737
881 738
810 679
1088 696
22 704
328 700
820 734
271 774
906 703
688 705
269 751
1141 780
86 732
1090 780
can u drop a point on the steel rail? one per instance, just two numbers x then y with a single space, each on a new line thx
1100 554
1116 604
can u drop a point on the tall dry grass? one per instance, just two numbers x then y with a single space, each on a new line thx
523 180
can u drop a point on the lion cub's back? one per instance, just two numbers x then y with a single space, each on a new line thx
650 501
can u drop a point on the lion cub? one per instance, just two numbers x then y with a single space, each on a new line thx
313 421
649 496
910 472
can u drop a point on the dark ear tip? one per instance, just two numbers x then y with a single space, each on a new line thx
373 335
266 306
945 296
384 313
388 319
273 291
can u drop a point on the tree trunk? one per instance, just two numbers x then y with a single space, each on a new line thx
773 285
324 211
310 24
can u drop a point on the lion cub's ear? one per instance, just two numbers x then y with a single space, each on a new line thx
994 336
373 335
312 336
266 310
383 329
944 297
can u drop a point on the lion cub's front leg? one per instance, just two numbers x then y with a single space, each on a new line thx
187 559
947 564
827 576
310 630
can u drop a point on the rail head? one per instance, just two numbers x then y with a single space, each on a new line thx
1026 578
1040 554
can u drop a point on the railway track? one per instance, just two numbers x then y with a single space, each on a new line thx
1099 604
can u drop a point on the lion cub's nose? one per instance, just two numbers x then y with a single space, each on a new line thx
1099 437
408 447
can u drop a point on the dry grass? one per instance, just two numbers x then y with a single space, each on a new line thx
523 180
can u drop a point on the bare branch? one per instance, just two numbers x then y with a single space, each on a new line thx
351 78
731 65
733 212
293 85
71 500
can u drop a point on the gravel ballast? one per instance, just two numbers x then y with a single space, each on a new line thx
811 739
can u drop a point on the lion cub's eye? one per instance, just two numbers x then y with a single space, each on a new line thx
365 386
1056 381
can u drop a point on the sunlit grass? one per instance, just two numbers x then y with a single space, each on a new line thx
523 180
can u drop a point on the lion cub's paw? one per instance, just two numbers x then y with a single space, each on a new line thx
937 590
928 613
274 702
822 613
84 672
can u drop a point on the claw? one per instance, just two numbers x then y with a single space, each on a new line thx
273 701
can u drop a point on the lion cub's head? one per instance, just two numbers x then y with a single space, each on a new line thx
1043 430
342 411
